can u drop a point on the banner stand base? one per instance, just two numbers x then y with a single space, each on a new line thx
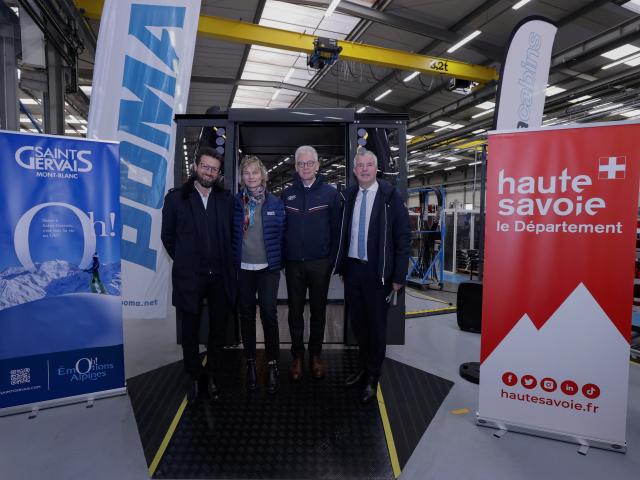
563 437
58 402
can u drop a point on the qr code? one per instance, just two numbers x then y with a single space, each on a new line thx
20 376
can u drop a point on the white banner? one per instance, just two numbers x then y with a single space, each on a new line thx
141 79
525 73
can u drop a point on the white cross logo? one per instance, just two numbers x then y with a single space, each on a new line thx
610 166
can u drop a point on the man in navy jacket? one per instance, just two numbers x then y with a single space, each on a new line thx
373 259
311 238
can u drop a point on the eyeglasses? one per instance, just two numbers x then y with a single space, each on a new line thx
309 163
209 168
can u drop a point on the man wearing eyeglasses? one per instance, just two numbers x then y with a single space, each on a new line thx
311 239
196 232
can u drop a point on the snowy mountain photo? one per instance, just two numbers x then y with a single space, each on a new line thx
52 278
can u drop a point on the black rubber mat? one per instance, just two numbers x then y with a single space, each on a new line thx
412 398
155 397
313 429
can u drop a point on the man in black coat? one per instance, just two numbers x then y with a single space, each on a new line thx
196 232
373 258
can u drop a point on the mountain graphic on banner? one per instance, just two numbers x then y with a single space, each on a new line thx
51 278
578 343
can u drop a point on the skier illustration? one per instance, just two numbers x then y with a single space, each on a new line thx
95 283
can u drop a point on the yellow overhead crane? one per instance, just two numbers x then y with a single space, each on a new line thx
249 33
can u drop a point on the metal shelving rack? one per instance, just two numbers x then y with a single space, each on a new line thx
433 275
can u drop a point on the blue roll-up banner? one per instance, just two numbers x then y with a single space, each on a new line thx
60 305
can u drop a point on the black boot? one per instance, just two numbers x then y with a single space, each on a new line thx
214 391
251 374
355 378
272 379
194 391
369 390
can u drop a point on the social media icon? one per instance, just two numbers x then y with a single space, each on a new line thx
591 391
548 384
569 387
509 378
529 381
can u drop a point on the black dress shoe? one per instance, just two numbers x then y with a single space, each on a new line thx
354 378
214 391
193 392
272 378
251 375
369 390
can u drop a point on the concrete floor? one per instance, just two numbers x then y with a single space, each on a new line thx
75 442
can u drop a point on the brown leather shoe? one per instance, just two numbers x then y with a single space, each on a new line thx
295 371
317 367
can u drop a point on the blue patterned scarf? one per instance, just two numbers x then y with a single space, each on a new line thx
251 200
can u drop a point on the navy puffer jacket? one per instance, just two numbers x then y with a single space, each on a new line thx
273 223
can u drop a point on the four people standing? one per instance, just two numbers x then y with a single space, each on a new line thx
311 240
370 249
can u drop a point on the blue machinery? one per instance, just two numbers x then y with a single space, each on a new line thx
427 268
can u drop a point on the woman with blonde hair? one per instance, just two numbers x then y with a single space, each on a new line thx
258 233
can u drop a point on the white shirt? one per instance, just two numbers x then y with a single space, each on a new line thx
204 198
355 220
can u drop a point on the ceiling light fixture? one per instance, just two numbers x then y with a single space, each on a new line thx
332 6
630 114
464 41
486 105
606 108
482 113
620 52
553 90
521 3
627 60
288 75
382 95
579 99
633 5
411 77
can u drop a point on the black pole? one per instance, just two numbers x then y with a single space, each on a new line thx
483 178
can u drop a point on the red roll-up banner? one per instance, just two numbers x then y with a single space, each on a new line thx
558 285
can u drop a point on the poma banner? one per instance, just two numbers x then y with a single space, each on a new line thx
141 80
